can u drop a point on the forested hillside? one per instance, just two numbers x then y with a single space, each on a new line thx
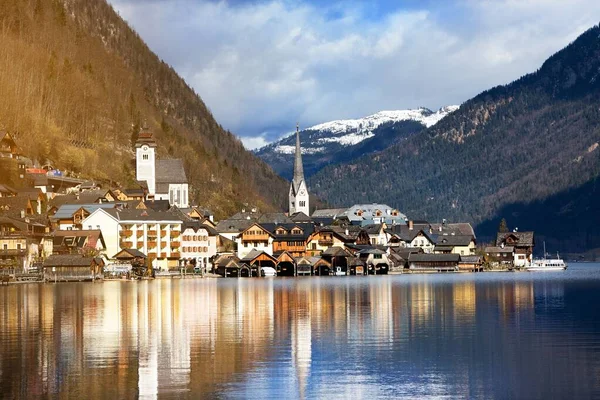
514 144
77 82
332 153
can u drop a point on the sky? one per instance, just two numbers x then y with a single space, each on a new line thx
263 65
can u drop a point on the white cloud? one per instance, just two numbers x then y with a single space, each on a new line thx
265 65
254 142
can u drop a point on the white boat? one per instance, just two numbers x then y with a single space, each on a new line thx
547 264
556 264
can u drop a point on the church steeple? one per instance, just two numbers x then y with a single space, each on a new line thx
298 168
298 197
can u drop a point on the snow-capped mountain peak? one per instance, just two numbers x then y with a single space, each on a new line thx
349 132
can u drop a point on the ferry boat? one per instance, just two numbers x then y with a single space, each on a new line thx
544 264
556 264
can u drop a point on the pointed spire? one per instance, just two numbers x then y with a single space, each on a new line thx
298 168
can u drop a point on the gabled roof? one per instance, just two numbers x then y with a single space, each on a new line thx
520 238
142 215
158 205
67 210
78 239
336 251
454 240
7 189
498 249
300 217
197 225
127 254
12 206
254 254
258 225
373 229
329 212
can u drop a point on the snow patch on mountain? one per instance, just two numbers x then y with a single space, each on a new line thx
285 149
350 132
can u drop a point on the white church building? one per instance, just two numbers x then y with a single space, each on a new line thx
298 197
166 179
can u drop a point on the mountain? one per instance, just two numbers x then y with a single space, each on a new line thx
519 145
77 82
344 140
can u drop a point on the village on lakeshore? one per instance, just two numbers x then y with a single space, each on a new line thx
59 228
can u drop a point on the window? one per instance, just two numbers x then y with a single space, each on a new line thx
5 246
145 157
377 256
303 204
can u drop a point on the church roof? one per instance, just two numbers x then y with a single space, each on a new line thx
169 171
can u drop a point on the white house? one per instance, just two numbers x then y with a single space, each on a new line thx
254 237
198 244
156 234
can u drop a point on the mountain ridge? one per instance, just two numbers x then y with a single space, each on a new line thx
341 140
512 144
77 85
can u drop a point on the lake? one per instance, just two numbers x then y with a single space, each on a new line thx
485 335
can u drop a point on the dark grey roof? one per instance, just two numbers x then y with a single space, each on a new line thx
521 238
233 225
372 229
434 258
300 217
197 225
372 251
454 240
158 205
275 218
329 213
71 260
141 215
470 259
460 228
170 171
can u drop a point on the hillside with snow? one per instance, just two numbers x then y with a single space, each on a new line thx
342 140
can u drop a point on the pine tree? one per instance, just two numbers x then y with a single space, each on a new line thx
503 228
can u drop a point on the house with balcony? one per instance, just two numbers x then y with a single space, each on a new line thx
156 234
334 236
522 244
290 238
254 237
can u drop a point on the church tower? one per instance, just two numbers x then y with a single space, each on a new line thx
298 191
145 160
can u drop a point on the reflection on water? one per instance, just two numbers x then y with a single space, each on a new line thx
467 335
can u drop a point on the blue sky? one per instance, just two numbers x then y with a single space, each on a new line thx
262 65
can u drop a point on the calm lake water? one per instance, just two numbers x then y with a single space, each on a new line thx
488 335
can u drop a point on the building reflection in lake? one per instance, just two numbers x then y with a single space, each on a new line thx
205 338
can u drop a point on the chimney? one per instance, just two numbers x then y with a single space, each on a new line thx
411 225
22 213
347 232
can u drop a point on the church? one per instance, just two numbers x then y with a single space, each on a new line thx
298 197
166 179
